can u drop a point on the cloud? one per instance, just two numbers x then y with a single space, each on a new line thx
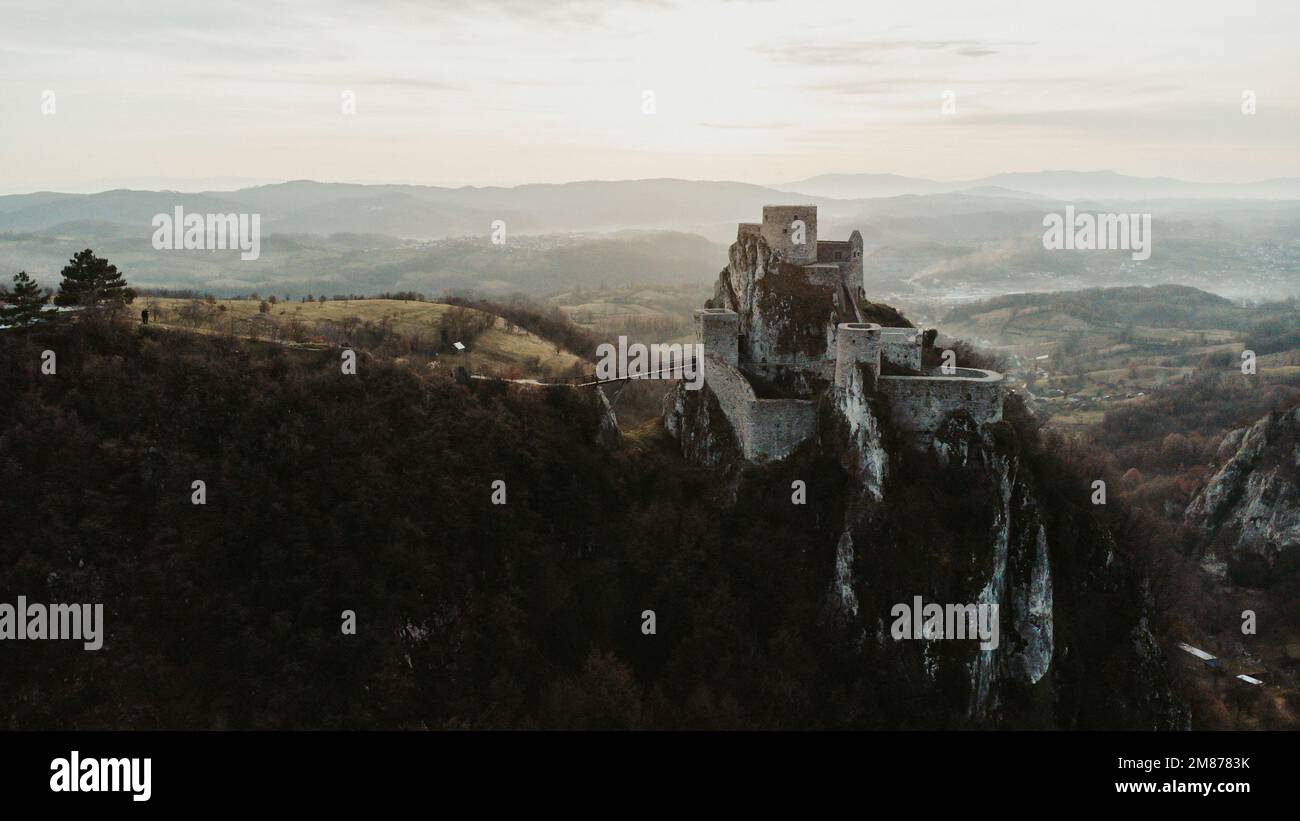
1202 123
335 80
745 126
873 51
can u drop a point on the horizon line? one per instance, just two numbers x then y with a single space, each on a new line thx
771 185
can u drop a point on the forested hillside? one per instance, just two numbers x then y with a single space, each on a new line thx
373 493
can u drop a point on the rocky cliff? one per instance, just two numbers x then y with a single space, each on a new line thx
968 520
785 310
1250 507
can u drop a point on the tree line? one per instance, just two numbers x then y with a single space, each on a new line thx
87 281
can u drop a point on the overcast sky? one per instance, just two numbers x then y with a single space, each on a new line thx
516 91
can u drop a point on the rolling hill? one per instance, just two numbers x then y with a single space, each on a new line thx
1078 353
398 327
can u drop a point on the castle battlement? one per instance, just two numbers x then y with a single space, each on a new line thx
784 326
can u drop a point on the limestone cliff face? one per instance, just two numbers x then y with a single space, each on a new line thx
962 518
965 522
1007 565
1019 579
784 310
861 444
702 430
1251 506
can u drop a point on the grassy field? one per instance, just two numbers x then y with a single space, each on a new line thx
642 314
501 349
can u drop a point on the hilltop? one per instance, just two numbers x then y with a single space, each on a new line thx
494 345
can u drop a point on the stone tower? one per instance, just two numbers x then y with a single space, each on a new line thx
857 343
780 232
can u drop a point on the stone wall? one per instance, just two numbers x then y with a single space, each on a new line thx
826 274
717 329
834 251
920 404
777 426
901 346
732 391
767 429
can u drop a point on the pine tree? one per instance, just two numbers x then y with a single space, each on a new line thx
26 301
91 281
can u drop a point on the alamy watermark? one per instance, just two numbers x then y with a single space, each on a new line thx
1098 232
208 232
78 622
654 361
954 621
77 774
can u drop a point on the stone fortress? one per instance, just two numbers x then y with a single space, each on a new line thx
785 325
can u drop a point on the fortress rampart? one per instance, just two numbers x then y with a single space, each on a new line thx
767 429
920 404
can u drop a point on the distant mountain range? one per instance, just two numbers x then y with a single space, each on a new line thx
980 236
1061 185
708 208
415 212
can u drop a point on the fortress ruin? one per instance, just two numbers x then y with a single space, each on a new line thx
786 324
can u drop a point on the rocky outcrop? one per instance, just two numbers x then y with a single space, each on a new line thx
697 421
1017 574
843 599
608 433
861 447
966 522
1251 505
785 309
